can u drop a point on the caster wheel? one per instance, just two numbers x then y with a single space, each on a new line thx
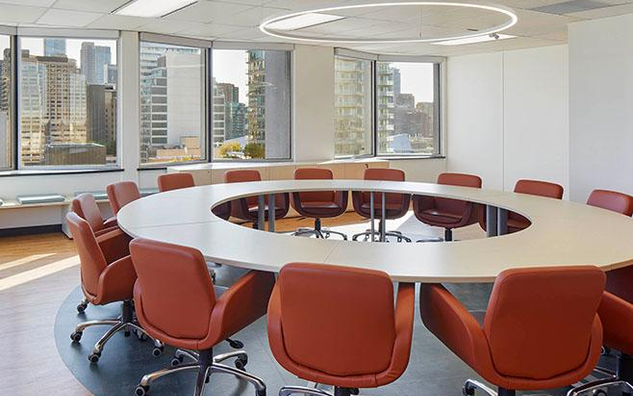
158 351
94 357
127 333
235 344
140 335
76 336
241 362
354 391
260 392
141 390
81 308
599 392
468 390
206 380
175 361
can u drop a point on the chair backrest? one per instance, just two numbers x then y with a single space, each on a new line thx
322 309
540 188
244 175
388 174
121 194
86 207
539 322
612 200
175 288
455 179
315 174
175 181
91 258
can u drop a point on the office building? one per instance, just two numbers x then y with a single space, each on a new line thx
54 47
94 59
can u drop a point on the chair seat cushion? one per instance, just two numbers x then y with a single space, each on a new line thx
320 205
254 209
393 210
439 216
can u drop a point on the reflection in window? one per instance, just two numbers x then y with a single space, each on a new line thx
251 104
6 105
173 100
353 106
407 108
68 102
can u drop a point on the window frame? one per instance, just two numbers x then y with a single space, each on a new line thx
244 46
439 75
12 163
73 34
206 48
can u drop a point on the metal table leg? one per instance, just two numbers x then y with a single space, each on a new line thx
271 212
261 216
502 221
491 221
383 219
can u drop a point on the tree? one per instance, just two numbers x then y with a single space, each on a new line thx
230 149
254 150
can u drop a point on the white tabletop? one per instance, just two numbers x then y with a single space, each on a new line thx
562 233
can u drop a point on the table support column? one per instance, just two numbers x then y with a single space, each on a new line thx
502 221
261 214
383 218
371 206
491 221
272 212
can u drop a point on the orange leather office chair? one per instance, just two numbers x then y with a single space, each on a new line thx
318 205
175 181
516 222
86 207
616 309
338 326
541 329
104 282
176 304
121 194
246 208
444 212
396 205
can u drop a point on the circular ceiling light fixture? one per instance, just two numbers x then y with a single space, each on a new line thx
281 26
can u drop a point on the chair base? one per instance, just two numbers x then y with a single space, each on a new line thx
368 234
318 231
304 390
205 364
124 323
470 386
622 379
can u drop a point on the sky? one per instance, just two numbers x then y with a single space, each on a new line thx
229 66
73 47
416 79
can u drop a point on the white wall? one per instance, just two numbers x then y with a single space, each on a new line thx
508 116
601 105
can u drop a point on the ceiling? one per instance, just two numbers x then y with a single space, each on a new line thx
541 22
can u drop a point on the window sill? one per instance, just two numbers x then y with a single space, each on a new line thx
410 157
45 172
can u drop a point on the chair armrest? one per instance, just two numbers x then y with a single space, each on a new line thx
616 315
451 323
422 203
116 282
340 198
114 244
405 313
242 304
111 222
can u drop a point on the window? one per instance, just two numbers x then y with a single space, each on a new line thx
251 104
6 103
68 102
173 103
407 108
386 108
353 107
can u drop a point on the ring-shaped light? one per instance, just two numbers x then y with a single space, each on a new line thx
290 36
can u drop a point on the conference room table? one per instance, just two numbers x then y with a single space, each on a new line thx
562 233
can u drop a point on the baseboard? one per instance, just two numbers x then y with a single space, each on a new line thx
32 230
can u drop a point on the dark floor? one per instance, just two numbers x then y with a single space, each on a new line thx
433 369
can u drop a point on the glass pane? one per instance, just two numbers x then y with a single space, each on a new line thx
6 105
172 103
353 106
251 104
68 102
406 108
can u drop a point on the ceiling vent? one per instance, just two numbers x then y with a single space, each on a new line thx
569 7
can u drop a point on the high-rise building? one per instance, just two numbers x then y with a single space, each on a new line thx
219 115
154 98
54 47
234 112
101 116
5 109
268 102
93 60
53 104
385 104
110 74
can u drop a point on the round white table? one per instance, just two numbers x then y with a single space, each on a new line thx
562 233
